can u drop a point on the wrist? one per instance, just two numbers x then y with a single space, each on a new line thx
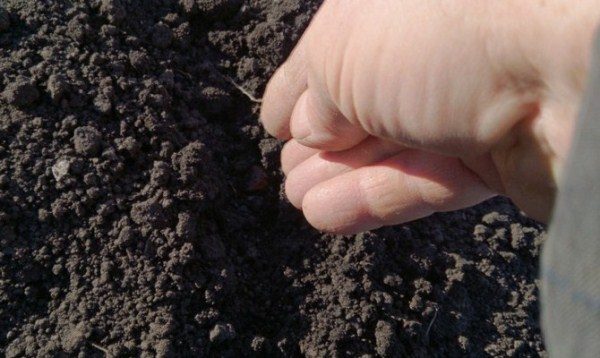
542 50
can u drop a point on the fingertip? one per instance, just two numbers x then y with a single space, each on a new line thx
293 154
313 209
293 193
321 208
282 92
276 111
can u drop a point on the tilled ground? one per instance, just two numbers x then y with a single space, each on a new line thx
141 211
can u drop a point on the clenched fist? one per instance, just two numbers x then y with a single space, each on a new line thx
396 109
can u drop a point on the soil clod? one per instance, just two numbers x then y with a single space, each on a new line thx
87 140
21 92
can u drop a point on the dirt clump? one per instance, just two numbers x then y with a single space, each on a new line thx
21 92
141 208
87 140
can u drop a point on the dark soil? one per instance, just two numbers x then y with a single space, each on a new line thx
141 210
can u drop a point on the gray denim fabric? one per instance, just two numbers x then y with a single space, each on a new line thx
570 269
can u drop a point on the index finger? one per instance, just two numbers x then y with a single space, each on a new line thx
282 92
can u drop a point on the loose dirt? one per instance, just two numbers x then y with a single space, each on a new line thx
141 211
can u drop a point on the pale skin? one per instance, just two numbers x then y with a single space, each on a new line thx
397 109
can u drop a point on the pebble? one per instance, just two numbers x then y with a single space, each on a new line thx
57 87
222 332
60 169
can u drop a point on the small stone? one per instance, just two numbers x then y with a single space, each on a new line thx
87 140
21 92
57 87
162 36
60 169
160 173
222 332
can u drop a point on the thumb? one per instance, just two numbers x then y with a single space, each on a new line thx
316 122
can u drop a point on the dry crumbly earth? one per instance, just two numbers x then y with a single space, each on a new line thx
141 211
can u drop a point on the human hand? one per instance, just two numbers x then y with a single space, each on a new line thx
399 109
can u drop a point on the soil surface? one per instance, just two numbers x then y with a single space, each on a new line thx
141 211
